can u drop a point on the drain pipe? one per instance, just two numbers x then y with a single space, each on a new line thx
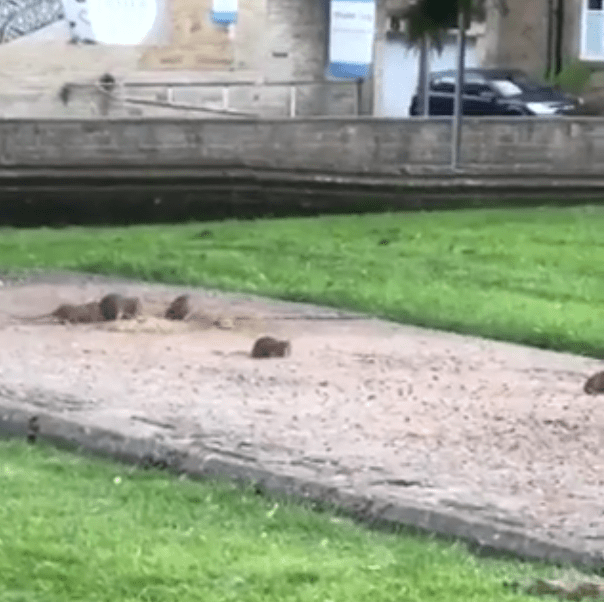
558 51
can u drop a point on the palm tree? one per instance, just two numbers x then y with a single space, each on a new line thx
433 17
427 21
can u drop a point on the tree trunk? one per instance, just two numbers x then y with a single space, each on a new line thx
422 79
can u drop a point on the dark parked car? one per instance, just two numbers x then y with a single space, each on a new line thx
494 92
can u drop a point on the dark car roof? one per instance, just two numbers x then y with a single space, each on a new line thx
486 73
531 90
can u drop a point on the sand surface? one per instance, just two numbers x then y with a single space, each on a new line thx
499 431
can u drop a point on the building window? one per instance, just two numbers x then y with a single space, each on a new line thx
592 30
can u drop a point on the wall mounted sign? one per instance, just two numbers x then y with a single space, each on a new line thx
351 33
76 14
224 12
121 21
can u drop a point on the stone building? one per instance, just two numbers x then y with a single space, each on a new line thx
544 36
539 36
49 71
273 62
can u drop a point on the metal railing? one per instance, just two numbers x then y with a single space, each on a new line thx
117 93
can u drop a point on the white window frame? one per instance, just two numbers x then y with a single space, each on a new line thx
586 13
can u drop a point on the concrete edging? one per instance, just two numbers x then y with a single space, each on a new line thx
482 537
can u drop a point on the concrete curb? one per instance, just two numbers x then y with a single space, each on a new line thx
483 538
438 179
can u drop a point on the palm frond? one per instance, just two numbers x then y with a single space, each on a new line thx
432 18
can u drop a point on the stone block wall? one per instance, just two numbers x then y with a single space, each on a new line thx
366 146
296 39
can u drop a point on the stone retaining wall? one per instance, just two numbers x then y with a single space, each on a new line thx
346 145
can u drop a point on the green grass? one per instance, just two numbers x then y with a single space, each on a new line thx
533 276
73 528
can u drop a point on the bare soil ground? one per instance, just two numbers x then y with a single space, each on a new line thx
500 432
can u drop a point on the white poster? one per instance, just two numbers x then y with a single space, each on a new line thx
224 12
351 33
110 21
121 21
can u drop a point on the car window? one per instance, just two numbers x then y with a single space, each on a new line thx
506 88
475 89
443 84
527 85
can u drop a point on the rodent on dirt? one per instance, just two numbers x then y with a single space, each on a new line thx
266 347
179 309
115 306
85 313
594 384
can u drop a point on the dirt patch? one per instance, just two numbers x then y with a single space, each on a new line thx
500 432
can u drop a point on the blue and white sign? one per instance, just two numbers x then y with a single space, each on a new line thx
351 33
224 12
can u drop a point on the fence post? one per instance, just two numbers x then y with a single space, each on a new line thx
225 97
292 101
359 96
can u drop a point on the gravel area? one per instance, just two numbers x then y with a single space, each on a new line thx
488 432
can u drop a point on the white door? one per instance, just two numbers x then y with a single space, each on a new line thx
400 72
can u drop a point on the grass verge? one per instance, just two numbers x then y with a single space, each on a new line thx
532 276
74 528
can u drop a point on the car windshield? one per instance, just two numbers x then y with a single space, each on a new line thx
506 88
509 87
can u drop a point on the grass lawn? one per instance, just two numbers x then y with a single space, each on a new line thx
73 528
532 275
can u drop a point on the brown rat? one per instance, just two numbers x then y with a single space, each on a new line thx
270 347
73 314
114 306
179 308
33 429
594 384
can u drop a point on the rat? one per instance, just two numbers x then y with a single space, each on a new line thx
73 314
594 384
270 347
114 306
179 308
33 429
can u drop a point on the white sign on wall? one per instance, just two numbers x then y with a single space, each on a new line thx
121 21
224 12
76 15
111 21
351 33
